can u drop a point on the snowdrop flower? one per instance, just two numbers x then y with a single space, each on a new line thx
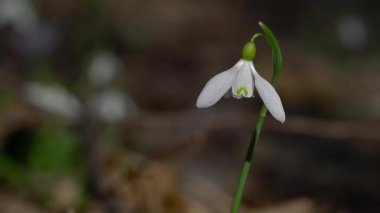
241 79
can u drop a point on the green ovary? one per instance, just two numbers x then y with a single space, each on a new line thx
242 89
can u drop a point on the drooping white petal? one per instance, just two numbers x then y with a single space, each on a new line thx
243 84
217 86
269 96
53 98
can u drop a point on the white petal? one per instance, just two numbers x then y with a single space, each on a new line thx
269 96
217 86
243 84
53 99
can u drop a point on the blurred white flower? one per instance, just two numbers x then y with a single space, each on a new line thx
18 13
112 106
241 79
352 32
53 99
103 68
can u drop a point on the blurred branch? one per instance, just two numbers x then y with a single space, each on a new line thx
183 124
358 130
188 128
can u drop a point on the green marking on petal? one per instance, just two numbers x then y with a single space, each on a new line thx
242 89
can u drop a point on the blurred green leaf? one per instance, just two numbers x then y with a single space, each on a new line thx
54 148
10 171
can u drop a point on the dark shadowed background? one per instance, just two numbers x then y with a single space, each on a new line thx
97 106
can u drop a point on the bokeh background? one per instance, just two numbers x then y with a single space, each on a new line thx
97 106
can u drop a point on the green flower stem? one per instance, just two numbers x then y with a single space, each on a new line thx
256 36
277 63
247 161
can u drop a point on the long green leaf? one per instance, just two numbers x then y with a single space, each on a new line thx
276 52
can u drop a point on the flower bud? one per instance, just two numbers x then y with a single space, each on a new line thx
249 51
